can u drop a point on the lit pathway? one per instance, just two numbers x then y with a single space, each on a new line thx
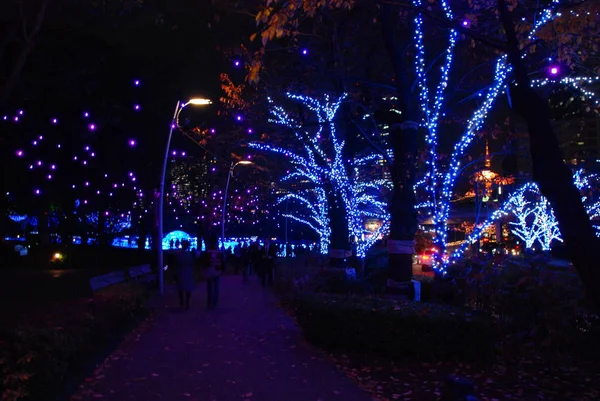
247 349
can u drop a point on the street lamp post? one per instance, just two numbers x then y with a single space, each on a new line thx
229 175
161 194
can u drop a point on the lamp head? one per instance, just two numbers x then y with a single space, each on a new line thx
245 162
199 102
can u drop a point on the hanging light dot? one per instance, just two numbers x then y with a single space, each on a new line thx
87 184
304 52
16 119
49 176
92 127
37 192
53 167
93 154
20 112
132 142
19 153
182 153
553 70
86 114
212 130
54 121
238 117
136 107
39 163
136 82
58 146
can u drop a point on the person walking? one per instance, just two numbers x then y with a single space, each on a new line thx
182 261
213 267
269 254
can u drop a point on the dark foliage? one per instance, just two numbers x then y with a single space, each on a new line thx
399 330
40 356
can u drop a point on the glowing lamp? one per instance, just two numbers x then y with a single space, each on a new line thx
136 82
92 127
53 167
554 70
238 117
37 192
136 107
132 142
86 114
236 63
19 153
304 52
199 102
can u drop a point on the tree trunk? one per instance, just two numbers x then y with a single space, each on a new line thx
554 178
339 246
404 141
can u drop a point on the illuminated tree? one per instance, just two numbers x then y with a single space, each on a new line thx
335 203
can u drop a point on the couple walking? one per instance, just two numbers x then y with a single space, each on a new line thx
184 262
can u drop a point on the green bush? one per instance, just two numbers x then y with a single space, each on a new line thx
394 329
37 358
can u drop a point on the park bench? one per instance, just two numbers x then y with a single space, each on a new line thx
141 273
105 280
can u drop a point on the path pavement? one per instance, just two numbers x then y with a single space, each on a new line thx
246 349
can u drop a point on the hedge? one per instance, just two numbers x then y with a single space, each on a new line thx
394 329
39 357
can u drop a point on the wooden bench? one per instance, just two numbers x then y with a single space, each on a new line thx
141 273
105 280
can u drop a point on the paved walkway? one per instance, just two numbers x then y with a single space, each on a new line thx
246 349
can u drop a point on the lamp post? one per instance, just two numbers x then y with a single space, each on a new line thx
229 175
161 194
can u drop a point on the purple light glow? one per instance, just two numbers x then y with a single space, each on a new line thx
31 167
304 52
20 112
74 157
92 127
58 146
16 119
87 184
136 82
53 167
87 148
34 143
19 153
37 192
93 154
465 23
236 63
85 163
86 114
554 70
174 153
132 142
39 163
54 121
182 153
238 117
40 137
49 176
136 107
131 174
5 118
212 131
250 130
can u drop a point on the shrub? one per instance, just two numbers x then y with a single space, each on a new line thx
533 304
37 357
390 328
